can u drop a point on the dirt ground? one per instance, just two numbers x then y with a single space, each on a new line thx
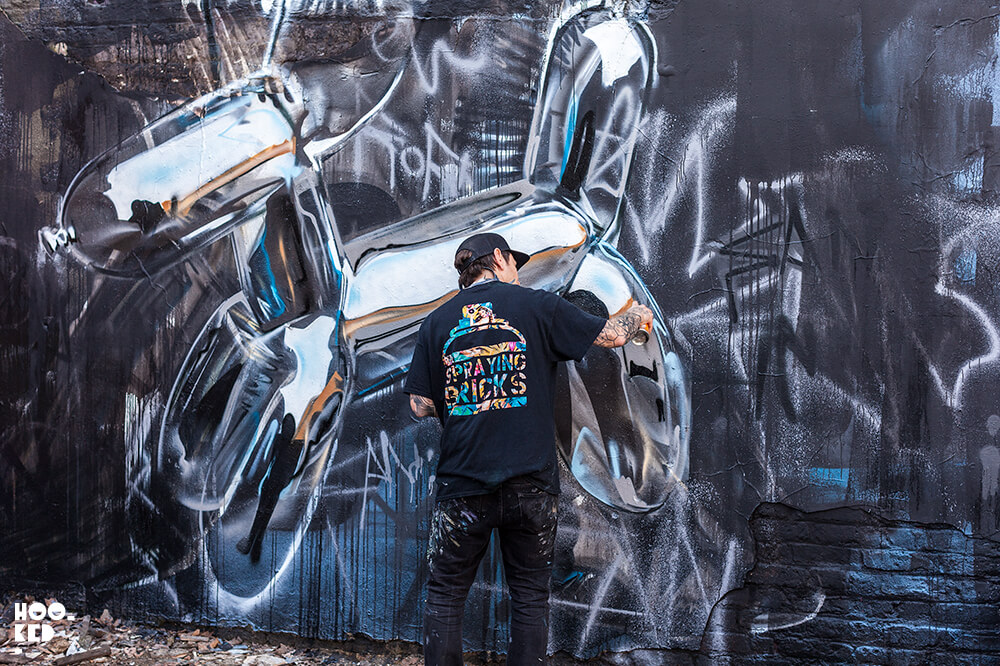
107 640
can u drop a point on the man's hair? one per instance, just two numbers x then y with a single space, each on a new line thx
477 267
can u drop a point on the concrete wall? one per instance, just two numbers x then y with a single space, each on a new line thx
223 221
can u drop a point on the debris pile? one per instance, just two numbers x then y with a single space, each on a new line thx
108 640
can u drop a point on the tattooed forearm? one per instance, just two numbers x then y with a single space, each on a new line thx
421 406
619 330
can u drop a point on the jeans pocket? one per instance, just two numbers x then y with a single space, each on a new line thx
538 508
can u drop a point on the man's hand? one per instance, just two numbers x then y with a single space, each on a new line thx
421 406
622 328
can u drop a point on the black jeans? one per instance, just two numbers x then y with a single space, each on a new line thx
525 519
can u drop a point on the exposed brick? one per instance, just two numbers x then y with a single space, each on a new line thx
895 593
887 560
905 538
825 651
971 616
870 655
896 586
805 553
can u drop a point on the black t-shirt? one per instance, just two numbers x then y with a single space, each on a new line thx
487 358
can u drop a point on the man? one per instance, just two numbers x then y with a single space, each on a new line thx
485 364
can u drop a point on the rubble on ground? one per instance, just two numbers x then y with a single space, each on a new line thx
108 640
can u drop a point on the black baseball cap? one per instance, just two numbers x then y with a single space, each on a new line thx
483 244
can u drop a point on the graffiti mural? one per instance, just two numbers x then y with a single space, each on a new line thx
225 222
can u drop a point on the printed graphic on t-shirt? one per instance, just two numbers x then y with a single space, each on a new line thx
484 377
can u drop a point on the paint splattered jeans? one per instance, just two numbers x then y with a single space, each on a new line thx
525 519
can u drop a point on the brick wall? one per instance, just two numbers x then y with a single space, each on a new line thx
845 586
